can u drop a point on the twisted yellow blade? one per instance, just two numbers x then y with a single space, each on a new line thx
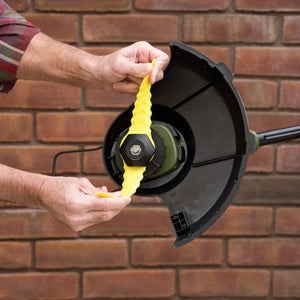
140 124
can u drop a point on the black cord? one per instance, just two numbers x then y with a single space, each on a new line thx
71 151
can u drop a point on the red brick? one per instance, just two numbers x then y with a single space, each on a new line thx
49 227
287 221
242 220
146 200
39 286
217 54
269 190
15 255
229 28
286 284
18 5
262 161
15 127
93 162
65 163
224 283
243 28
77 5
290 95
219 28
268 5
264 252
199 252
135 221
62 27
41 95
178 5
291 31
39 159
104 99
257 93
264 121
81 254
129 28
261 29
101 180
29 224
288 159
278 61
73 127
129 283
193 28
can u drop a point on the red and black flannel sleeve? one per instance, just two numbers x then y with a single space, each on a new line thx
15 35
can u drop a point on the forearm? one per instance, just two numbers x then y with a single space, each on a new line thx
121 71
70 200
49 60
19 186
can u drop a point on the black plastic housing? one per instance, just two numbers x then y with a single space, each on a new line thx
198 99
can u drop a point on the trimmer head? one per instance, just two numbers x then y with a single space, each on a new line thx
202 142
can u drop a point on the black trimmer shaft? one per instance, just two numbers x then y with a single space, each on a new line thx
279 135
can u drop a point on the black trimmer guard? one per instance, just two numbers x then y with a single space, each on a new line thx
199 104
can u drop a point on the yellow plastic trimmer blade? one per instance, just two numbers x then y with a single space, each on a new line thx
140 124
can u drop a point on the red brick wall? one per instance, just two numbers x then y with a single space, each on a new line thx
253 251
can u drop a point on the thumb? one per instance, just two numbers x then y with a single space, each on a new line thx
139 70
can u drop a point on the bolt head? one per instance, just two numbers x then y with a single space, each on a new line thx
137 150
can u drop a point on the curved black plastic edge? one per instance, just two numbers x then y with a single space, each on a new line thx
221 204
218 209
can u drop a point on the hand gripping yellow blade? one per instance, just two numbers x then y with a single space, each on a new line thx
140 124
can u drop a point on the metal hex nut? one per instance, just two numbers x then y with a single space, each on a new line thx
137 150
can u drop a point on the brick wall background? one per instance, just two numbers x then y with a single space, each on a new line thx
252 252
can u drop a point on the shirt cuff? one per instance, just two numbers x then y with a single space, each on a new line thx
15 36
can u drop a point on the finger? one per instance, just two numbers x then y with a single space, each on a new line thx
161 62
126 87
154 77
117 193
139 70
104 189
157 73
95 217
101 189
134 79
106 204
85 186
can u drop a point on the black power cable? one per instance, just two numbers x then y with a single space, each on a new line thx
71 151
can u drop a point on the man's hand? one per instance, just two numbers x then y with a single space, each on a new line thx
73 201
70 200
124 69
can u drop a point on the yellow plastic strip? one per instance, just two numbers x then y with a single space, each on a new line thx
140 124
104 195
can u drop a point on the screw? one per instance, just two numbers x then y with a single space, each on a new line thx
135 150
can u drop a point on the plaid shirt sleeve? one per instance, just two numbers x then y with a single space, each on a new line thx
15 35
